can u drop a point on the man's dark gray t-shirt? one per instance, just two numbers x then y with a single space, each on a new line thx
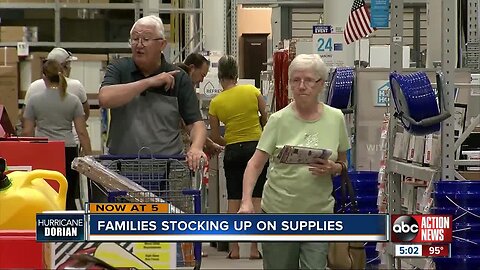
151 119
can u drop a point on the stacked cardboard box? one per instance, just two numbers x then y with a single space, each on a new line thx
8 56
9 81
470 175
19 33
53 1
88 69
27 1
31 70
9 90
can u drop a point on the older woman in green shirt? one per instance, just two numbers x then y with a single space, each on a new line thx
297 188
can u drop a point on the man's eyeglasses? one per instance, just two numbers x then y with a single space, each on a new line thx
307 82
144 41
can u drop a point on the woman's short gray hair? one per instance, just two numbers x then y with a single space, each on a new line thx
310 62
227 68
153 21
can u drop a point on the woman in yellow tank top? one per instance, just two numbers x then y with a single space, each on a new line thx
238 107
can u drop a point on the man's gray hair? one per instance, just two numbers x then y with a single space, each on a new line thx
309 62
153 21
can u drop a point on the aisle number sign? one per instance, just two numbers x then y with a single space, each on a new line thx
329 44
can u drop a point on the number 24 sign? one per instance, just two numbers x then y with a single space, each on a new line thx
330 46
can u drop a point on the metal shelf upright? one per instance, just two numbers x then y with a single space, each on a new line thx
233 28
473 36
394 178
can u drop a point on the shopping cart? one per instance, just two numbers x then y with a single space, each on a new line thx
165 178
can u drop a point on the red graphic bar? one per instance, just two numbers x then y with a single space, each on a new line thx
436 251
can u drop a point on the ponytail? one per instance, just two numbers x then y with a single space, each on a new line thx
62 85
53 71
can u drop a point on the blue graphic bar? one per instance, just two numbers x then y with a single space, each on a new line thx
60 227
254 227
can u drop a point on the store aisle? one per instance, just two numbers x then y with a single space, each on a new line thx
218 260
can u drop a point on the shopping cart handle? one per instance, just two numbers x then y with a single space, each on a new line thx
116 157
191 192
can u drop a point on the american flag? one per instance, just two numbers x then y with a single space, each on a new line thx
358 23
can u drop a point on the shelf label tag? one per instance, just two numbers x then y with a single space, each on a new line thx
22 49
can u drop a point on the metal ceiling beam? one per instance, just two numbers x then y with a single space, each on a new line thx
316 3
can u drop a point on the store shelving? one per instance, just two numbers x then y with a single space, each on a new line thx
395 168
69 45
413 170
31 44
58 7
421 263
69 5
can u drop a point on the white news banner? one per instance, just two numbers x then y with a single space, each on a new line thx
408 250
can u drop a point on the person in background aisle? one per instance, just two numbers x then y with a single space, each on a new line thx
197 66
148 97
52 112
238 107
75 87
298 188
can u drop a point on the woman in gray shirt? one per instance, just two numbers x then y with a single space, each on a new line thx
52 112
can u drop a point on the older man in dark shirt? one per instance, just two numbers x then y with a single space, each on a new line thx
148 97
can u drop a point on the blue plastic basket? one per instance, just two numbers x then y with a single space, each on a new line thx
413 96
457 187
367 202
341 87
373 262
364 183
363 175
360 186
363 210
371 252
369 211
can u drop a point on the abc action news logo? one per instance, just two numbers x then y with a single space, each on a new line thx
421 228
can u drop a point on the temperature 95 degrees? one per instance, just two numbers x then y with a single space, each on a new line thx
436 251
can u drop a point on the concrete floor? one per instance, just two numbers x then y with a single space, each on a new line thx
218 260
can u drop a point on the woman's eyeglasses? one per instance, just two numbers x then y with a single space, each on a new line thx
307 82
